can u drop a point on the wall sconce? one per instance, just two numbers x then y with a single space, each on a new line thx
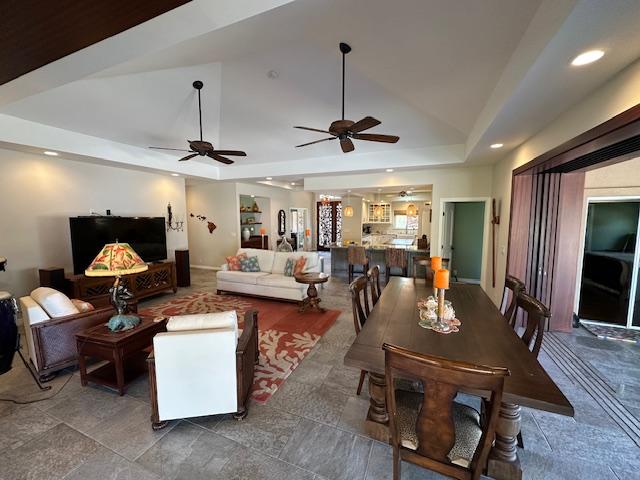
175 225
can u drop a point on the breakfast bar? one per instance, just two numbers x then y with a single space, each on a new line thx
375 253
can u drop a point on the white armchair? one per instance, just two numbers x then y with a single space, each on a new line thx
200 366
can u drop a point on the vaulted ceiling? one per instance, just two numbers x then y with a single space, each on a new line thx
449 78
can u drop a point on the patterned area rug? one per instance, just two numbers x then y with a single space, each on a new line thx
613 333
285 335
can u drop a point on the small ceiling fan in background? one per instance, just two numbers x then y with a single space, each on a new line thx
345 130
200 147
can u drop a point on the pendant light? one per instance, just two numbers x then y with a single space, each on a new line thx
412 211
348 209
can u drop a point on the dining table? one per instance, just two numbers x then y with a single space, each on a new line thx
484 337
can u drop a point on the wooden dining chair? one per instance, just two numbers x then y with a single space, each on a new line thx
360 305
426 263
512 288
536 317
430 429
373 276
357 256
395 258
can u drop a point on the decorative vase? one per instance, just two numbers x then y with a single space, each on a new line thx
246 234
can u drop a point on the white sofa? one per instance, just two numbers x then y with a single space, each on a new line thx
270 281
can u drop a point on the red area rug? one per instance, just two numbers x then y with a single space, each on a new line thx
285 335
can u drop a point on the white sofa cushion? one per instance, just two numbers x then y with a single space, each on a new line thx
203 321
55 303
265 257
312 264
280 281
280 260
240 277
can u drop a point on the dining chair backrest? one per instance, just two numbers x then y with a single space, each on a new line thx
512 288
435 429
359 302
537 315
373 275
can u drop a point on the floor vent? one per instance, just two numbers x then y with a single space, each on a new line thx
592 381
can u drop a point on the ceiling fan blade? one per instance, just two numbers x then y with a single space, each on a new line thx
237 153
219 158
317 141
188 157
315 130
365 124
174 149
347 145
374 137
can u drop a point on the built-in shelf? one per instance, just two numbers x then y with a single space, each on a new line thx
249 212
254 223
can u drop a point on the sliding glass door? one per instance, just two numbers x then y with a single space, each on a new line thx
609 283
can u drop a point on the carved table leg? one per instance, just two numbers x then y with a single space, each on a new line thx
377 418
503 459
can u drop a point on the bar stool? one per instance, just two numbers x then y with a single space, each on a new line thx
395 258
357 256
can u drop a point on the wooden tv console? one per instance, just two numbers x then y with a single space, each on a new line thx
158 278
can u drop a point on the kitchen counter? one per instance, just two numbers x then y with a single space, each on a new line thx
339 262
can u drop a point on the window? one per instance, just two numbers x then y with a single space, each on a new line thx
403 222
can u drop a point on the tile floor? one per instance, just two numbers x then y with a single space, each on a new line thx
311 428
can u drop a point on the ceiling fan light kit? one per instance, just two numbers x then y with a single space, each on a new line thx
346 130
201 147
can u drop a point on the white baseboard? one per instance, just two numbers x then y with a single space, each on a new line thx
205 267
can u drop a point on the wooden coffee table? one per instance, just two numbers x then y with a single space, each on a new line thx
124 352
312 279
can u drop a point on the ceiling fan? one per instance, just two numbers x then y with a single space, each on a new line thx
200 147
345 130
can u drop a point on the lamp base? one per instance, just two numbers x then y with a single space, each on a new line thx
120 323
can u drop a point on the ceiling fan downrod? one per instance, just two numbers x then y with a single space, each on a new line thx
344 48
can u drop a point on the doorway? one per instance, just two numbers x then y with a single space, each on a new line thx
299 223
329 227
608 280
463 235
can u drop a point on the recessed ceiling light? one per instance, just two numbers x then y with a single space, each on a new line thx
50 153
269 178
253 196
379 189
175 174
409 192
587 57
389 170
496 145
293 183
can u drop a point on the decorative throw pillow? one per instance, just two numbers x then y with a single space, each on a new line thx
299 266
82 306
288 268
249 264
234 261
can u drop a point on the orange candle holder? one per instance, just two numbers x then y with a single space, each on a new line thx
436 263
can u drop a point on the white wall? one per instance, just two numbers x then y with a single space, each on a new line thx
619 94
39 194
220 203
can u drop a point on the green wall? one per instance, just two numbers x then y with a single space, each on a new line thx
609 224
468 230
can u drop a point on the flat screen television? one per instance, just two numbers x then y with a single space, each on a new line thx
146 235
